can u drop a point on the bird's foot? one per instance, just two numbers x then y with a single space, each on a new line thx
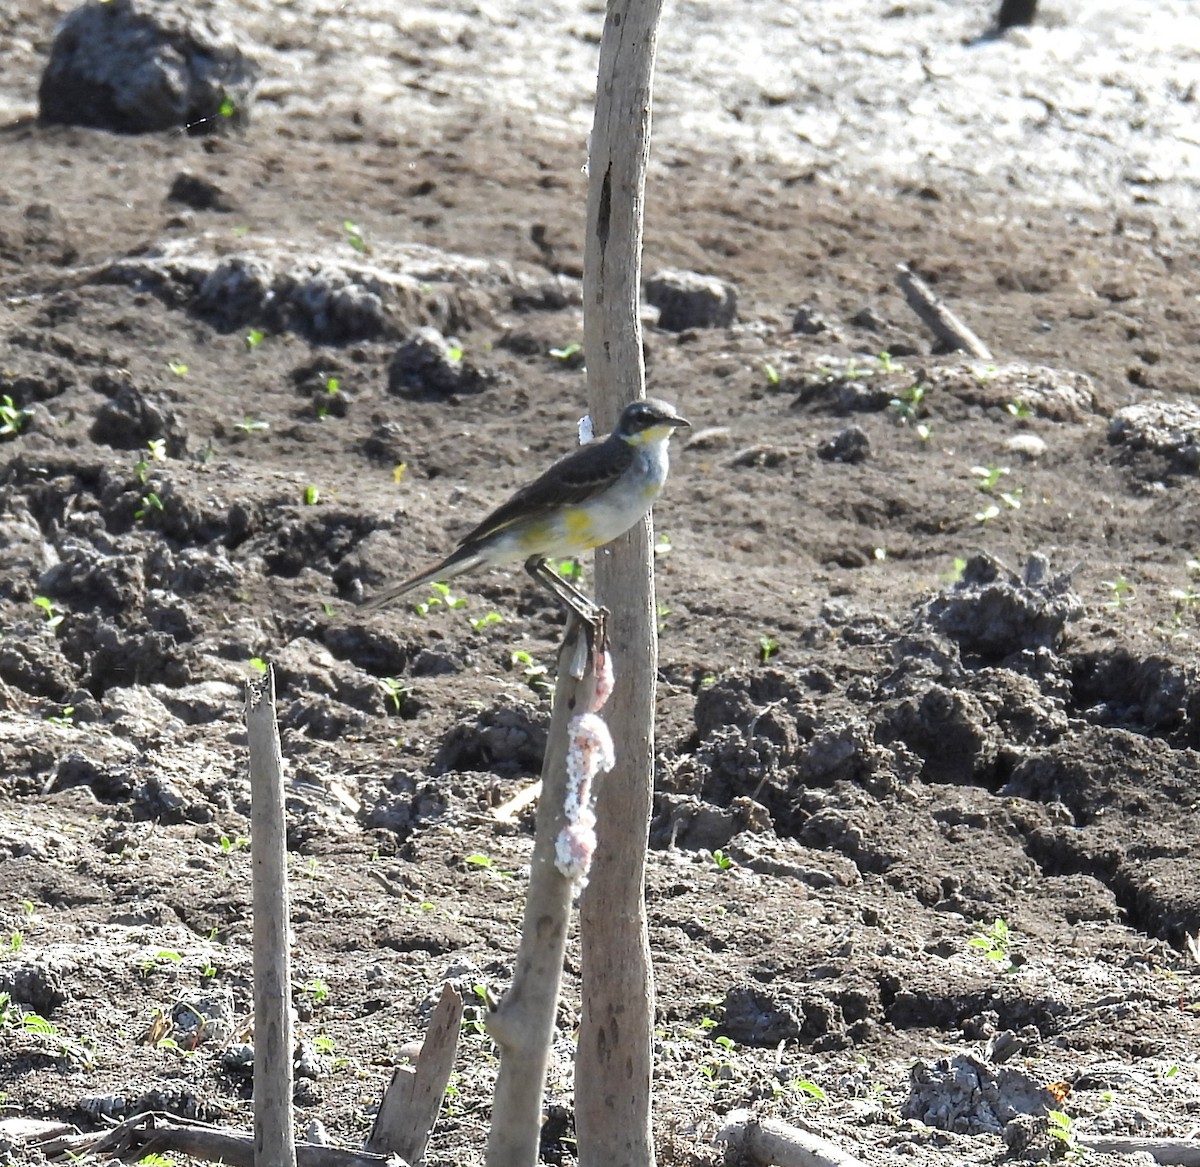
584 607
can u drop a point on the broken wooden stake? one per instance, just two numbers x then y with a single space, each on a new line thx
950 332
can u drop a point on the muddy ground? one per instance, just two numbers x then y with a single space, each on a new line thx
928 625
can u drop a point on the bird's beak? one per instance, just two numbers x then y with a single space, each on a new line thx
681 423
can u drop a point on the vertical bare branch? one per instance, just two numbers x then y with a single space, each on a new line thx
274 1129
523 1024
614 1063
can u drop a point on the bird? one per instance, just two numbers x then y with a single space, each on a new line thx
587 499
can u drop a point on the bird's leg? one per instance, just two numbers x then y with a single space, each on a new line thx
592 615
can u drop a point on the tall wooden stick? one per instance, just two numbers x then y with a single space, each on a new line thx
274 1128
615 1058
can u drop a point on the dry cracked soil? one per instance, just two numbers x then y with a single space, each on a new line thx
927 791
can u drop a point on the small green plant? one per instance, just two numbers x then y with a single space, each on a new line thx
809 1089
178 368
312 496
1019 408
887 364
771 373
487 863
150 502
317 991
258 664
569 569
486 621
237 843
160 959
13 418
995 942
723 862
395 691
1120 589
989 476
324 1044
254 338
906 406
355 237
534 673
226 109
663 546
566 352
250 425
15 943
768 646
1061 1127
54 616
441 595
66 718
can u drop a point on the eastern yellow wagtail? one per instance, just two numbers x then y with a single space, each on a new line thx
583 501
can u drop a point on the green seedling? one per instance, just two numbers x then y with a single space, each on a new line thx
254 338
534 673
227 109
160 959
1121 590
257 664
663 546
54 616
237 843
723 862
13 418
312 496
566 352
355 237
250 425
1061 1126
395 691
768 646
66 718
906 406
442 595
487 863
569 569
178 368
15 943
455 353
485 621
1019 409
150 502
771 373
989 476
809 1089
887 364
995 942
317 991
324 1044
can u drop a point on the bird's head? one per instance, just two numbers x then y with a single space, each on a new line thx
649 420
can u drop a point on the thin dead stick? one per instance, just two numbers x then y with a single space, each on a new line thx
768 1142
274 1128
153 1133
413 1099
510 811
945 326
523 1024
1183 1152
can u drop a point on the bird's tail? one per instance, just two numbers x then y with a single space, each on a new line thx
461 561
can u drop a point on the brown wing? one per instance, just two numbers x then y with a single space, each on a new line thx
572 479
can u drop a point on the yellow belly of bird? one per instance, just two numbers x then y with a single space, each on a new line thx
577 529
